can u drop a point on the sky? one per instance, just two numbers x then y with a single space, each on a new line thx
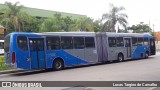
146 11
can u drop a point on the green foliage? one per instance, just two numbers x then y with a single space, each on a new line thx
14 19
1 58
50 25
84 24
11 14
68 23
29 23
97 26
58 23
140 28
2 65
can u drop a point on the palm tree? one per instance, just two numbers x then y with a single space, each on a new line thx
11 13
113 17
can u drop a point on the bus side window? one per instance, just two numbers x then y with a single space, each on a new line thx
40 45
53 43
78 42
146 42
66 43
112 41
89 42
22 43
134 41
120 42
140 41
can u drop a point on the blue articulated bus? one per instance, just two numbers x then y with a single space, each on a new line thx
58 50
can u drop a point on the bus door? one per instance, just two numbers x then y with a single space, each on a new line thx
152 46
37 53
127 43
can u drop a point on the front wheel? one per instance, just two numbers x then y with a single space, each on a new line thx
120 57
58 65
146 55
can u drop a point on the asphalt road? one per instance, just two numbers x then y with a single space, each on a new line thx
135 70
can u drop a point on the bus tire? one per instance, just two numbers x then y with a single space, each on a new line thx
58 64
146 55
120 57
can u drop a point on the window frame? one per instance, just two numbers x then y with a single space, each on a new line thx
51 39
74 43
136 41
142 42
71 44
25 49
145 41
122 43
111 44
89 43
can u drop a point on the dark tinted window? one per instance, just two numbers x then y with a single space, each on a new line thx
7 44
1 45
78 42
89 42
140 41
53 43
120 42
112 41
152 42
66 43
134 41
22 43
127 42
32 45
146 42
40 45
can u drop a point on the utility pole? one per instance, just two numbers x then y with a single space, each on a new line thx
153 28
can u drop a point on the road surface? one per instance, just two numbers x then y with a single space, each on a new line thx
135 70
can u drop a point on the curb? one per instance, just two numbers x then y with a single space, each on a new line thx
10 71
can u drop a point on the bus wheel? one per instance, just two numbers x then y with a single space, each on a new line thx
146 55
120 57
58 65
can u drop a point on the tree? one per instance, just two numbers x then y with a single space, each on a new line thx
50 25
114 17
68 23
140 28
97 26
11 13
29 23
84 24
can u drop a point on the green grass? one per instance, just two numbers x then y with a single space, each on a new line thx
5 68
1 58
2 66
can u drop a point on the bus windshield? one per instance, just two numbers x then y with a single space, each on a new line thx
7 44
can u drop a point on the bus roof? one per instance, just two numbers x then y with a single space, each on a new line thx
130 34
69 33
86 34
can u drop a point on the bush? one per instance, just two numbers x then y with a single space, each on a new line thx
1 58
2 65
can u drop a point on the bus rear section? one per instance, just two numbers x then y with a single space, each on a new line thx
8 60
25 51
